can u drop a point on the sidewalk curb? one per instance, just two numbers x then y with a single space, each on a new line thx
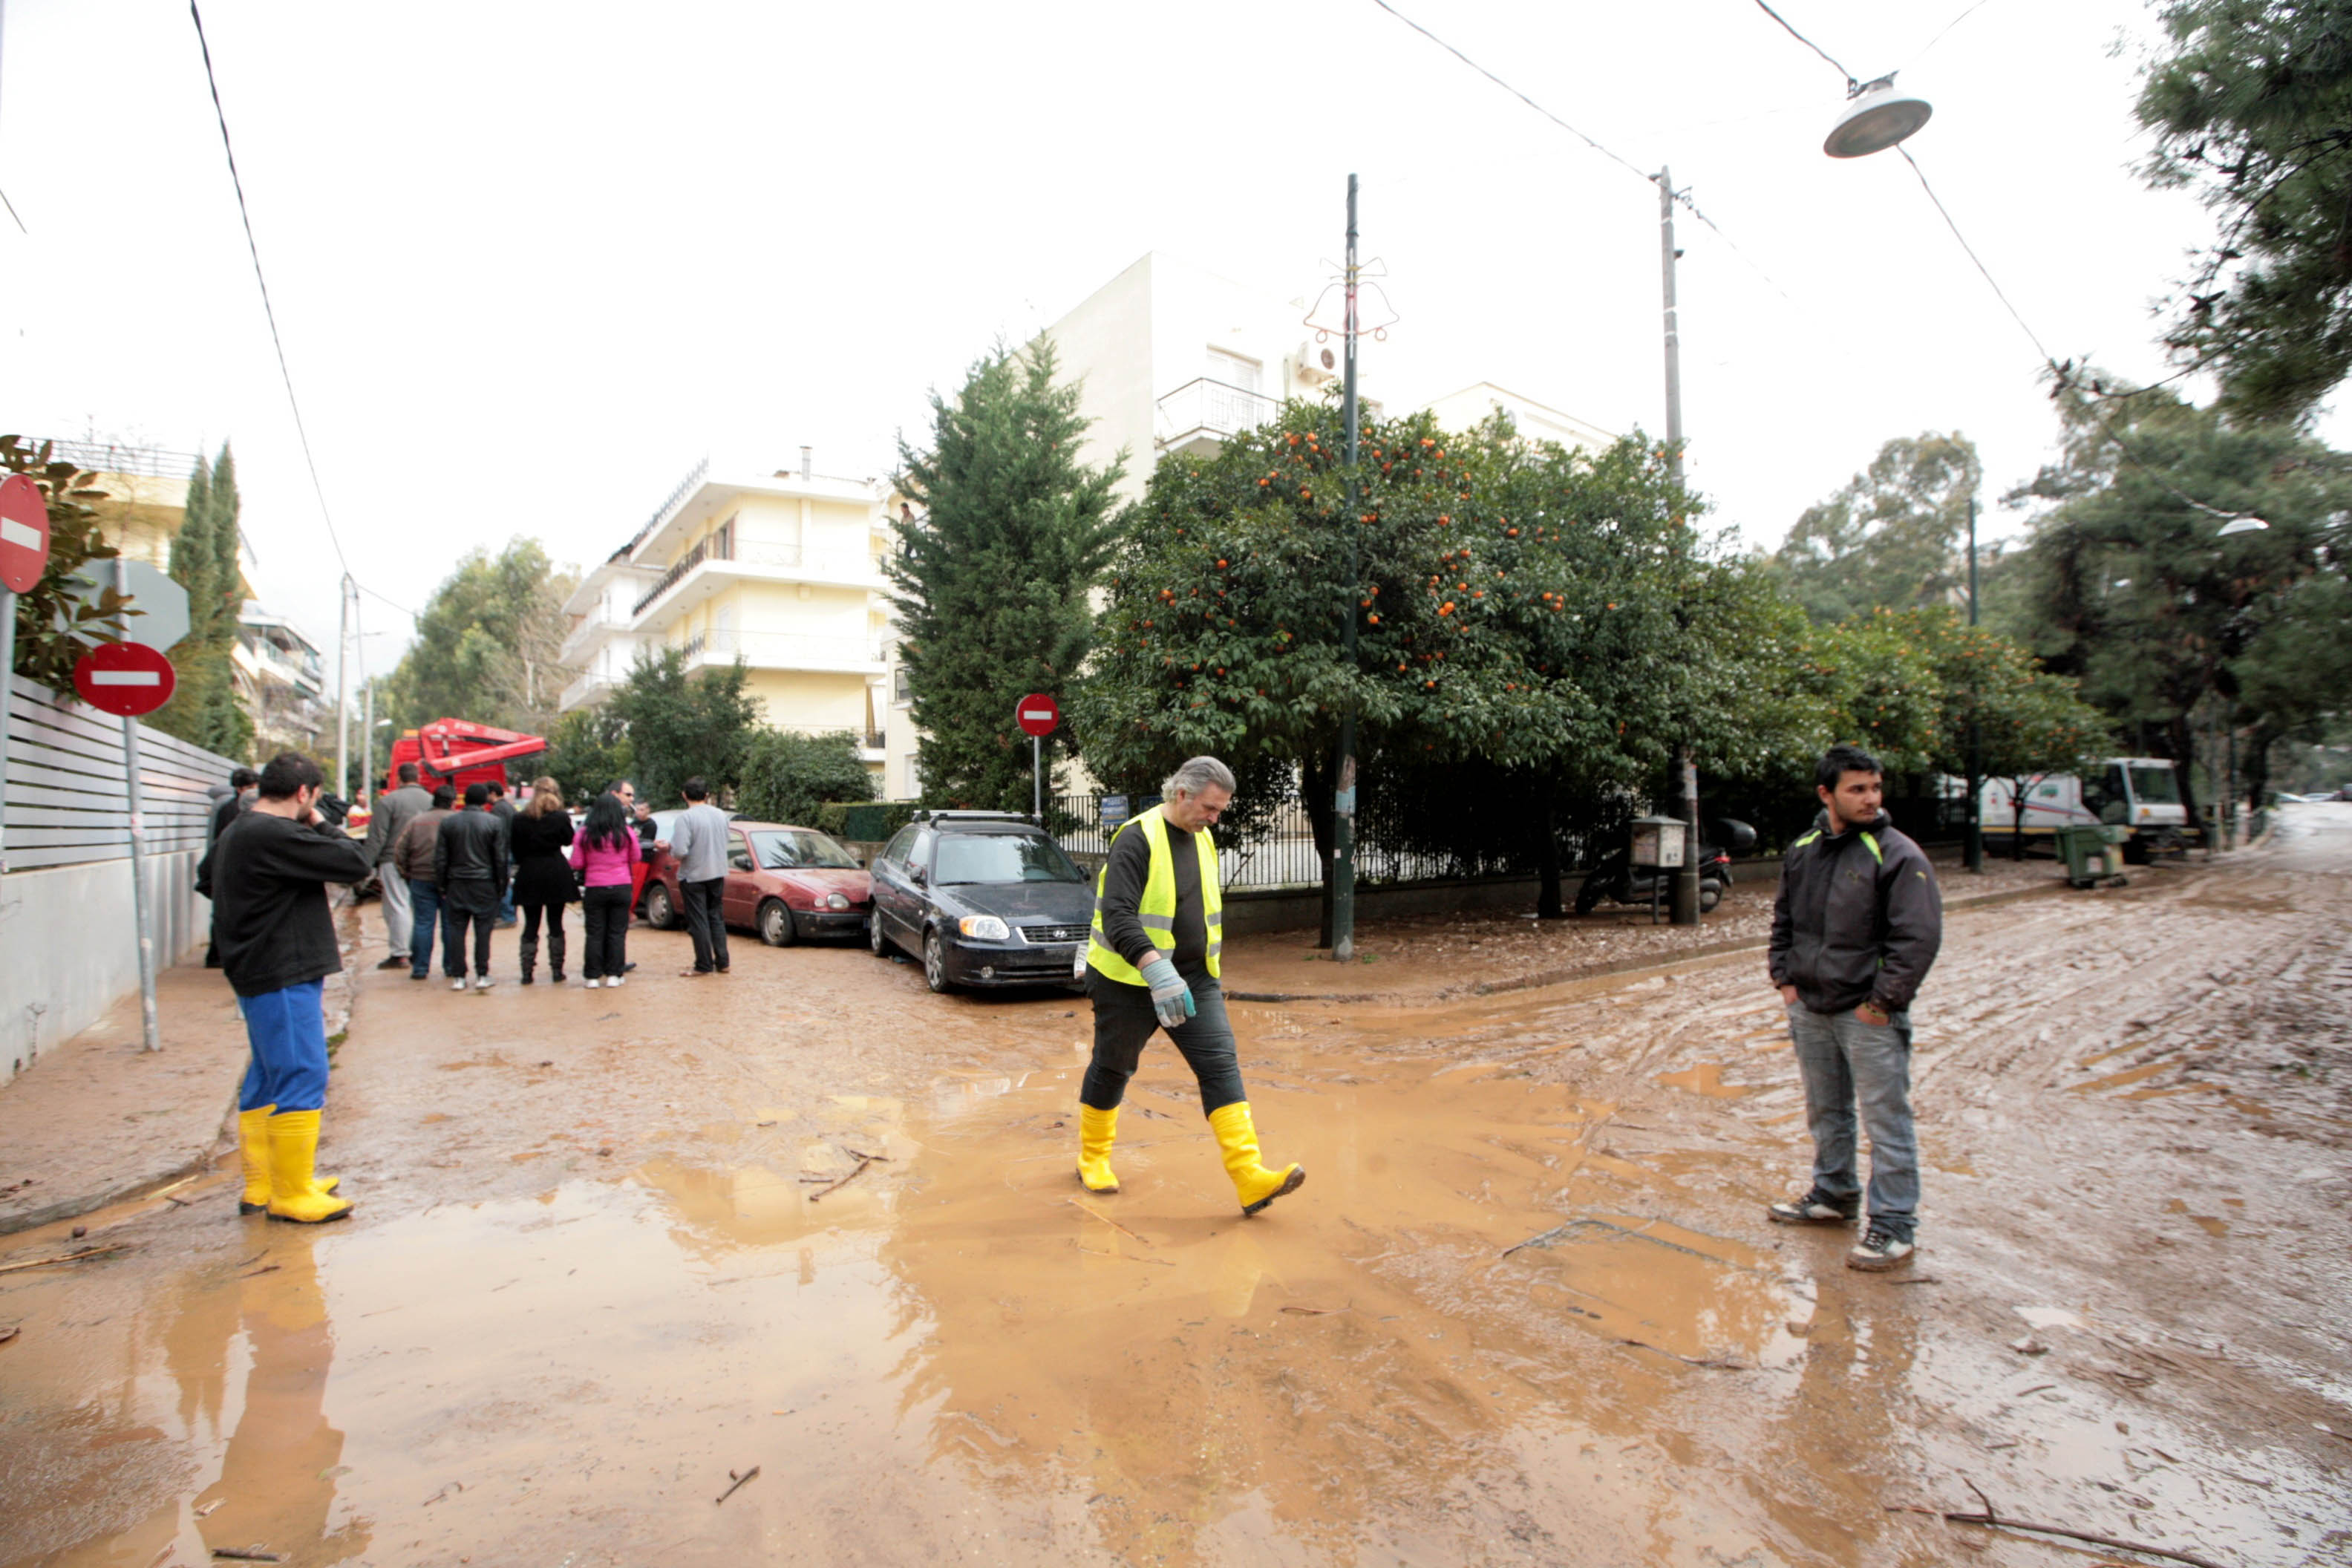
341 993
1561 977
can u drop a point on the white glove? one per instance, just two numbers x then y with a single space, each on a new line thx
1171 998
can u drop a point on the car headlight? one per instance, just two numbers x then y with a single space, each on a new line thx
987 928
836 901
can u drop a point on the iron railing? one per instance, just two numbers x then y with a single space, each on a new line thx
783 650
676 498
106 457
1215 408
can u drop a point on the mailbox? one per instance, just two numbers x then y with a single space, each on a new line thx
1659 843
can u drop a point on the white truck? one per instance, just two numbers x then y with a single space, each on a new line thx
2141 794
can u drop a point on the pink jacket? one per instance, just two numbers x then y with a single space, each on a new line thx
602 866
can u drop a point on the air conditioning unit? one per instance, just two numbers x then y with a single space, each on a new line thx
1319 363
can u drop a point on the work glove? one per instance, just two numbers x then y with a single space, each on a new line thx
1171 998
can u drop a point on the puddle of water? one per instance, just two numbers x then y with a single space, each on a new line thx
1706 1079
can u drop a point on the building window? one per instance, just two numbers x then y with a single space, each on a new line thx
914 778
1233 370
902 690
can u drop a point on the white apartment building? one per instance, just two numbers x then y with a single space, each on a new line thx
281 682
781 569
1169 357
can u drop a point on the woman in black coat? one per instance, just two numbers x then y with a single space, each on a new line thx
543 878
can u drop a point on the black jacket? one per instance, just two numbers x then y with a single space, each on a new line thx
268 877
471 847
1858 918
542 873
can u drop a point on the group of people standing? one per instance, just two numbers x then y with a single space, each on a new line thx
474 864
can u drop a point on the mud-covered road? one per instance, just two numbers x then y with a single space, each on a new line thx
600 1265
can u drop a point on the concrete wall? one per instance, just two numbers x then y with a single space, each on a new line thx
68 933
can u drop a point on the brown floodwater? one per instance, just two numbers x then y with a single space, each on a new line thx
611 1256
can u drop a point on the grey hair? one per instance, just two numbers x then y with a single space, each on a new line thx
1199 774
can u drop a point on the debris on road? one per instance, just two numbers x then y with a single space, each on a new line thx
737 1486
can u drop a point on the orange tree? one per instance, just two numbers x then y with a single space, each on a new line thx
1535 628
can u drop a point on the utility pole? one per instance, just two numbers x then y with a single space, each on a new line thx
1343 799
343 691
367 738
1976 761
1686 899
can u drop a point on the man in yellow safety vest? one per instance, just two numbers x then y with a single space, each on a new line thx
1159 928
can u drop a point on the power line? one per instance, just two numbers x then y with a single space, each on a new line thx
5 202
1507 86
1851 80
1683 197
1939 38
268 308
1981 266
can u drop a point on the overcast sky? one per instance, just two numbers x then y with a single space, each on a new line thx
531 261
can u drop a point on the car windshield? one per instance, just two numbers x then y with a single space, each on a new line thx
2156 786
801 852
1003 858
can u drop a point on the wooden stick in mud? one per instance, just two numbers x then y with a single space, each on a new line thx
739 1481
1106 1220
84 1256
863 1161
245 1555
2002 1521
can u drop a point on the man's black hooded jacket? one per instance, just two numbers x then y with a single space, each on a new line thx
1859 918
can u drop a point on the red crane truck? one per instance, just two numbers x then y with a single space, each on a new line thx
459 751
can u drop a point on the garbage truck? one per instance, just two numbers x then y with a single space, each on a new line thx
2139 794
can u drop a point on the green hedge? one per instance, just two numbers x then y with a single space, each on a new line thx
866 821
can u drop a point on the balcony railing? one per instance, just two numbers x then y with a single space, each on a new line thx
1204 413
676 498
784 650
595 621
722 546
583 689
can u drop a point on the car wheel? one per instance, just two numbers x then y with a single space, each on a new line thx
661 912
776 928
876 942
935 961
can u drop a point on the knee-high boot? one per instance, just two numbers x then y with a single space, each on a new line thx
529 953
1096 1129
253 1150
1237 1142
555 944
293 1154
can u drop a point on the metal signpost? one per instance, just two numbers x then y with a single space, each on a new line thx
131 677
1037 714
24 556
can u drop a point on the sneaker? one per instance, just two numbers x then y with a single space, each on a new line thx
1815 1207
458 984
591 984
397 961
612 982
481 983
526 977
420 975
1881 1250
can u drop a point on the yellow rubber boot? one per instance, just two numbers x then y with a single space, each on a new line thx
293 1154
1238 1139
253 1150
1095 1131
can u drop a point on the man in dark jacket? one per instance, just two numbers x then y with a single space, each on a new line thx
268 876
227 801
1855 931
469 870
504 810
394 813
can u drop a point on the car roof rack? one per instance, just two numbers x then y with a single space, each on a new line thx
979 816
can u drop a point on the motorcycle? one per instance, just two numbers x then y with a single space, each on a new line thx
1618 881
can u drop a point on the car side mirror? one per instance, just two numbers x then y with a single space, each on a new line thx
916 875
740 862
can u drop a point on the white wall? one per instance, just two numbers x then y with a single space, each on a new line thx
71 954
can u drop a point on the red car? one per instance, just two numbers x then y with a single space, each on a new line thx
783 882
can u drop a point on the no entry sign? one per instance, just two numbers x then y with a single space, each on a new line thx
125 678
1037 714
24 534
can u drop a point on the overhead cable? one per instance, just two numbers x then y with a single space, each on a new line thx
1852 82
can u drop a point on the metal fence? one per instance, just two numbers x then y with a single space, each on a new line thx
68 794
1471 840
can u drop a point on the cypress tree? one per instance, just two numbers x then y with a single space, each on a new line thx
993 584
203 710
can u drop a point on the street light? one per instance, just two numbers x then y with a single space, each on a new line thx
1876 118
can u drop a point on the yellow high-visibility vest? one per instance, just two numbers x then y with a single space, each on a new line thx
1157 906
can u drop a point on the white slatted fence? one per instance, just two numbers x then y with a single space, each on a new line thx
68 801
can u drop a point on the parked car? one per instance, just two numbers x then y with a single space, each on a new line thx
784 882
984 899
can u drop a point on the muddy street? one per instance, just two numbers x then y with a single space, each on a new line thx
615 1249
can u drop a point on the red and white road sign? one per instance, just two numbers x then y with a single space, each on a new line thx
124 677
24 534
1037 714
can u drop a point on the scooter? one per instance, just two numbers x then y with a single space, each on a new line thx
1621 883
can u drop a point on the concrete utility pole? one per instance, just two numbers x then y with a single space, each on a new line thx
1686 900
343 690
1975 860
1343 799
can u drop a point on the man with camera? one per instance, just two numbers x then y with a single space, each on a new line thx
267 878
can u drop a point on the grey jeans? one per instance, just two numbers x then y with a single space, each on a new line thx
399 913
1846 1062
